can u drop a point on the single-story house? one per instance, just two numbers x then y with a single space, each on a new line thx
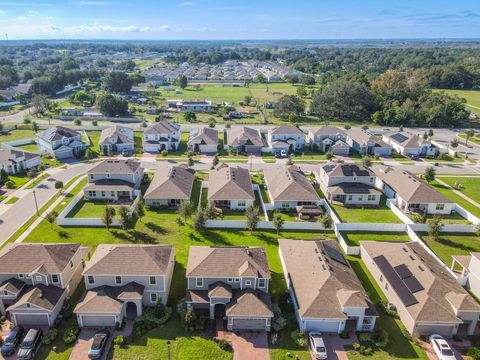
242 139
190 105
409 144
203 140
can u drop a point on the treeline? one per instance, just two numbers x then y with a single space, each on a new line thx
393 98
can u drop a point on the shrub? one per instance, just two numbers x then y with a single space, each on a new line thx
164 153
364 337
149 321
70 335
50 336
344 335
94 123
32 173
118 341
299 338
224 345
9 184
2 319
419 218
278 322
380 338
474 353
286 303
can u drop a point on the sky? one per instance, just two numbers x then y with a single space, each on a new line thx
238 19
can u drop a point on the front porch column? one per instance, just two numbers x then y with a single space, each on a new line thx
139 307
131 195
472 327
2 308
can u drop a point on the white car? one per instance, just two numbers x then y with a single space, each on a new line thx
317 345
283 153
441 348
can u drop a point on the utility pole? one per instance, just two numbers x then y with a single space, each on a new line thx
35 199
168 349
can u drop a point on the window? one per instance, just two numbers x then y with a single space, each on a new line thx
90 279
371 197
71 263
153 297
440 207
237 280
386 286
242 203
286 205
153 280
91 176
360 198
199 282
38 278
350 197
230 280
103 193
381 278
112 193
118 280
371 179
21 276
354 178
108 175
5 292
28 305
55 279
262 283
248 282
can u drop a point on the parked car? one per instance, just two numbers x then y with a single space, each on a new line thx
283 153
30 344
125 153
99 344
317 345
441 347
12 340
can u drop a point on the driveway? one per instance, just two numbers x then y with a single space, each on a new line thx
247 345
336 346
431 353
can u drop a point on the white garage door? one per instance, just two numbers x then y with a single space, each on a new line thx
98 320
322 326
248 324
31 319
435 329
150 148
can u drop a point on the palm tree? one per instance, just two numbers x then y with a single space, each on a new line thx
469 134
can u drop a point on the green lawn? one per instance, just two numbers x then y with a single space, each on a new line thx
89 209
37 181
447 219
286 215
29 147
456 198
453 244
472 97
398 346
470 186
17 135
474 139
19 180
358 214
353 239
12 200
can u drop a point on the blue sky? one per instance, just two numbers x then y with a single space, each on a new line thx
239 19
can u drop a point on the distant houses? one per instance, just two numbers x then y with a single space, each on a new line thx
61 142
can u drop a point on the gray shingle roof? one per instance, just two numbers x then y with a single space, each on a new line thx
116 166
288 184
230 183
162 127
171 182
245 134
46 297
12 156
204 136
347 170
286 130
57 133
123 134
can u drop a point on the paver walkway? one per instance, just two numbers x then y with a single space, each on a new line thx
336 346
246 345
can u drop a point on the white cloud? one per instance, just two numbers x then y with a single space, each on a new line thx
20 19
99 29
187 3
164 28
206 29
32 12
2 12
48 17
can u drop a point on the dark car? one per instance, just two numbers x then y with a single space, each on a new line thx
99 344
30 344
12 340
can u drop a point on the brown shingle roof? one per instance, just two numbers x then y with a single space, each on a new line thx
410 188
440 293
46 297
11 156
353 188
361 137
228 182
129 260
347 170
12 285
204 136
116 166
288 184
407 139
250 136
251 303
327 131
213 261
174 182
219 290
321 283
123 134
24 258
286 130
105 299
162 127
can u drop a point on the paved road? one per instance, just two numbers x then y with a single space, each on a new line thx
18 213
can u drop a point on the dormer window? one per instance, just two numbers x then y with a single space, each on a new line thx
5 292
90 280
118 280
21 276
199 282
55 279
262 283
153 280
28 305
71 263
38 278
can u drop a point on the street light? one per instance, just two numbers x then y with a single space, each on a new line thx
35 199
168 349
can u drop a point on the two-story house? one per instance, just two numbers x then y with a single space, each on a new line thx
120 279
17 161
242 139
61 142
161 136
409 144
230 188
285 137
116 139
203 140
323 138
114 179
35 280
326 293
230 283
350 184
365 143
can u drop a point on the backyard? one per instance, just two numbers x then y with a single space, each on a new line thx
353 239
452 244
455 198
366 214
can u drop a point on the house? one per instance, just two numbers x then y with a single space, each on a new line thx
427 298
161 136
170 186
190 105
350 184
284 137
232 283
470 271
114 179
409 144
365 143
288 187
243 139
230 188
121 279
35 280
61 142
324 137
17 161
412 194
339 148
116 139
203 140
326 293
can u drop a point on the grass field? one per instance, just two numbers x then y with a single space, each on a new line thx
470 186
353 239
453 244
89 209
472 97
456 198
367 214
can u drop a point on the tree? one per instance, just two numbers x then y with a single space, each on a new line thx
190 161
77 122
3 176
347 126
117 82
199 220
58 184
124 217
189 116
326 221
425 136
289 104
430 132
248 100
111 105
454 143
253 216
140 209
215 161
51 217
107 217
302 91
35 126
182 81
185 210
329 155
434 227
40 104
278 222
429 174
469 134
367 161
